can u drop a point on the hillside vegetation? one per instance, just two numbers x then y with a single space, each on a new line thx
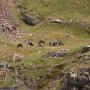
34 67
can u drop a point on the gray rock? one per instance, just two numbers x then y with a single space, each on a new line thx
30 20
77 80
58 54
18 57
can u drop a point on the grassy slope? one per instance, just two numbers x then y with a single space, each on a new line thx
68 9
59 8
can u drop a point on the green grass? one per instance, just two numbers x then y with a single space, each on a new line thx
65 9
46 7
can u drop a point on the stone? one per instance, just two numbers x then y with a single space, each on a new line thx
18 57
58 54
29 19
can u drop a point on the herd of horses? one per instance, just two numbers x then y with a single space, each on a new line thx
42 43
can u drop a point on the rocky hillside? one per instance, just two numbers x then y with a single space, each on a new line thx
7 25
45 44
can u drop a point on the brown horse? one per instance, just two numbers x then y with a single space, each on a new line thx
41 43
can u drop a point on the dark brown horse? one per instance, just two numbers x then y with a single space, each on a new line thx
20 45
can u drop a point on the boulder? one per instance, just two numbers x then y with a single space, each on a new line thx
58 54
61 53
18 57
30 19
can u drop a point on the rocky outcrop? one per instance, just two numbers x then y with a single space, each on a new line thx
70 23
61 21
7 25
40 82
18 57
3 74
58 54
76 80
30 19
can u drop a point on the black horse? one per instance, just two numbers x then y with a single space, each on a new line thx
20 45
60 43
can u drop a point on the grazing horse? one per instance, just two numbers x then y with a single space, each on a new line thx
41 43
55 43
60 43
85 49
20 45
30 43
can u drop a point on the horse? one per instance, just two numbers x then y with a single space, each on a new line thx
30 43
55 43
41 43
60 43
20 45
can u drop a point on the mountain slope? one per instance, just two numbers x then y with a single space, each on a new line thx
41 66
